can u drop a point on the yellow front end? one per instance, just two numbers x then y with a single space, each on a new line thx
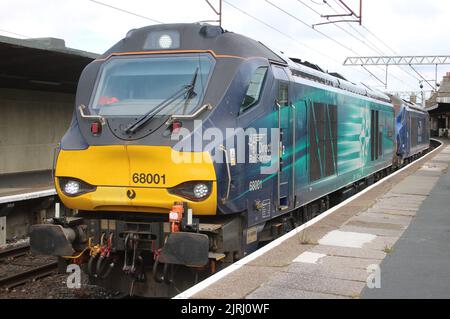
135 178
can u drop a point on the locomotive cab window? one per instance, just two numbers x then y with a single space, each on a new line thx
283 97
254 90
170 84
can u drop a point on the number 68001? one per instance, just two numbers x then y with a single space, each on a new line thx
143 178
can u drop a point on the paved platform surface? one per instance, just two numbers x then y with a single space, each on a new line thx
334 257
419 265
14 185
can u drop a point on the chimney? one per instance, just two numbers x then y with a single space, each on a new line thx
413 98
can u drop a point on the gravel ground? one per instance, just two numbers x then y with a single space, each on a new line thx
50 287
13 242
22 263
54 287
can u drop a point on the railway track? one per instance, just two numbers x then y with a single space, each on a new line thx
28 275
14 252
31 274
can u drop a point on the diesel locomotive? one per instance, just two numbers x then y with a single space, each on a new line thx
191 146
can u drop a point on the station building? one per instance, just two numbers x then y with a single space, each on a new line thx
438 106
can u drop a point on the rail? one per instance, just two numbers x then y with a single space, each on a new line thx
28 275
14 252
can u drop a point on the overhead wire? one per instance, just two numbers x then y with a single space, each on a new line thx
369 43
317 2
322 33
375 47
368 40
421 76
125 11
309 26
399 66
378 50
251 16
375 36
279 31
287 35
352 27
15 33
338 26
363 40
340 4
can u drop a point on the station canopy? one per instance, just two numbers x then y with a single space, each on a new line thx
44 64
439 102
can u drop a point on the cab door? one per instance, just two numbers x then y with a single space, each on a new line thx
286 125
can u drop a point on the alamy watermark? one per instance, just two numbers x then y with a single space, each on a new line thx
191 146
74 278
374 278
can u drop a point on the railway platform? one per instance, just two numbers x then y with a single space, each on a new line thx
392 240
24 200
14 187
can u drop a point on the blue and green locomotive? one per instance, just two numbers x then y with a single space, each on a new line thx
412 127
191 146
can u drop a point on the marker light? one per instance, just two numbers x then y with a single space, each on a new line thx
176 125
72 187
165 41
200 190
96 128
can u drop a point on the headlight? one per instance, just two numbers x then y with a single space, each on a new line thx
165 41
74 187
194 190
201 190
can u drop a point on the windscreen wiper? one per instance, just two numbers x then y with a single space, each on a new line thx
190 92
188 89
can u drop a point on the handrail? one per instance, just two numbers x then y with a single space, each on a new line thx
294 119
223 149
54 161
81 107
280 153
189 116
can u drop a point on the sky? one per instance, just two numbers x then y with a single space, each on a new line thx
405 27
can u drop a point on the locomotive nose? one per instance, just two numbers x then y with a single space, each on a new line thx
135 178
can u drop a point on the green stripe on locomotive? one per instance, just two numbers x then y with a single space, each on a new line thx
353 137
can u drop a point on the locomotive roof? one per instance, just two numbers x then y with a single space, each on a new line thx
409 105
196 36
312 72
415 106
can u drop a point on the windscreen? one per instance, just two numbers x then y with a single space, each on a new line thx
130 86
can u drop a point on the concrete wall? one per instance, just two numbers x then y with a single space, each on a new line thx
31 125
